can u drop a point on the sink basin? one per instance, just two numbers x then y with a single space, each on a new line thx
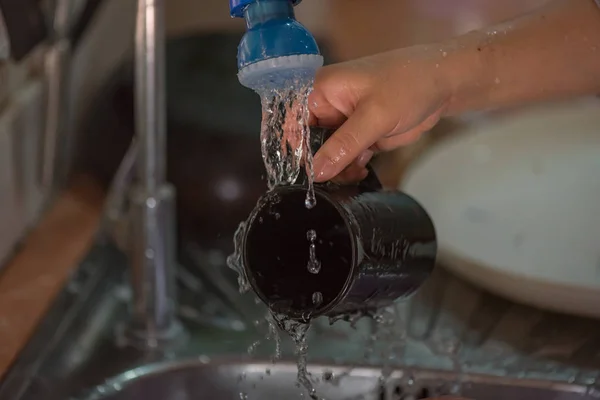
506 351
233 380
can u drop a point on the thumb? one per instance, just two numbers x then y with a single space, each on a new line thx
357 134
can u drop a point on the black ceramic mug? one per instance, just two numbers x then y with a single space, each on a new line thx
370 247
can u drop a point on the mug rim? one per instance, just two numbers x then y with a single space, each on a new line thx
320 194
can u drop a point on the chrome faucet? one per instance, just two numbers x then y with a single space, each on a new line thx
151 230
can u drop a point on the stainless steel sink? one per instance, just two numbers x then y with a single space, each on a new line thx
505 352
230 380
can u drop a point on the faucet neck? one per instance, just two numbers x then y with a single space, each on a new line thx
263 11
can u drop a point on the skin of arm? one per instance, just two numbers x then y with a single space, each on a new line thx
551 53
388 100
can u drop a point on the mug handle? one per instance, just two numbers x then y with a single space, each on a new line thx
318 136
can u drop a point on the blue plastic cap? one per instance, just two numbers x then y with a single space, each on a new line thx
237 7
277 40
273 32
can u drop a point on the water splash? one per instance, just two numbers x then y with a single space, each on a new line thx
295 329
389 328
298 331
273 334
235 262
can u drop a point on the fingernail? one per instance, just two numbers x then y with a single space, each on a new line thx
364 158
323 168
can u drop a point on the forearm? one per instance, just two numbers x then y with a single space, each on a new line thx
549 54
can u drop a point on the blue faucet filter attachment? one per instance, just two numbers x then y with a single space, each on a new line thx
276 50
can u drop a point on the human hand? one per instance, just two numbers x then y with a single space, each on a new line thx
378 103
390 99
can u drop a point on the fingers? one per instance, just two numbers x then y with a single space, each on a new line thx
356 171
337 90
322 113
364 158
410 136
395 141
350 175
357 134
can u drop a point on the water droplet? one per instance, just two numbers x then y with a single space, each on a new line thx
497 80
328 375
317 298
311 200
314 265
253 347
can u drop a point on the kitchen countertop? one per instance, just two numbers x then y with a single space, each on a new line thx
38 270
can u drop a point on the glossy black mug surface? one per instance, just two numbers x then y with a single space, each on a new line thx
370 247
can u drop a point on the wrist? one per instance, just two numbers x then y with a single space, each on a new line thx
467 73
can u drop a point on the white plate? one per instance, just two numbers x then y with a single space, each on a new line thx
516 205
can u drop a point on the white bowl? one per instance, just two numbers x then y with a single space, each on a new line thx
516 204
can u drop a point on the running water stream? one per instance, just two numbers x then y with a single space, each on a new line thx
285 146
285 135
